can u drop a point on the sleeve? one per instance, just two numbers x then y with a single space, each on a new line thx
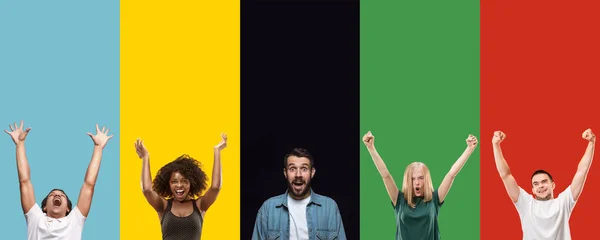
566 200
399 199
523 200
77 217
436 199
33 216
257 233
340 223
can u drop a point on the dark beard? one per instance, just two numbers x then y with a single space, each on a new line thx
303 193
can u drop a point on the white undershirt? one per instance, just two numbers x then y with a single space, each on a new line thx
298 225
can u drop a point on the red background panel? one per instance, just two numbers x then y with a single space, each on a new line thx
540 63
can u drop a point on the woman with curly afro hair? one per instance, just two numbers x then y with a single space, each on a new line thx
175 192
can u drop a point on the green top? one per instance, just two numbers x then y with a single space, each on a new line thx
419 223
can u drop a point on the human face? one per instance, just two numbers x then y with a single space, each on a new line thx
56 204
180 186
298 173
418 181
542 187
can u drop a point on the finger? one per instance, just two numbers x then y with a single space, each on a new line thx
107 130
6 131
11 127
111 136
21 124
27 130
103 129
97 128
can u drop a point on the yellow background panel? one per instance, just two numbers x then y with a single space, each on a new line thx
180 72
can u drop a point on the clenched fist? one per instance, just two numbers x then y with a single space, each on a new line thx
499 136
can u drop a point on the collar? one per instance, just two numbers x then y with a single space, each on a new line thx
314 199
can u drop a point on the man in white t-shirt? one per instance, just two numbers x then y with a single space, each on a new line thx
56 219
544 217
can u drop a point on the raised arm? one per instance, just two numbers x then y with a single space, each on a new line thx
509 181
584 165
26 188
211 195
84 202
369 141
155 200
449 178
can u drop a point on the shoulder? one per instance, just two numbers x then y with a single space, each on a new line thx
325 201
34 212
272 202
77 215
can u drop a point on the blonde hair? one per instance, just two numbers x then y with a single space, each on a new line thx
407 188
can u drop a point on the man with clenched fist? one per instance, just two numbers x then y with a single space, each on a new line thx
544 217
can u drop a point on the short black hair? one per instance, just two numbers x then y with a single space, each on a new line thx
69 204
541 171
299 152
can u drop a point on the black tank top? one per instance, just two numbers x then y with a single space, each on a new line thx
181 228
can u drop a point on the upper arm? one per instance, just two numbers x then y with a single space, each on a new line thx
577 184
340 223
156 201
84 202
208 199
512 188
27 195
391 188
445 187
257 232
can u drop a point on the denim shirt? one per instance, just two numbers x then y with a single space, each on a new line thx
322 218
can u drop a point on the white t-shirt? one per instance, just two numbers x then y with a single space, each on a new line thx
40 226
298 218
541 220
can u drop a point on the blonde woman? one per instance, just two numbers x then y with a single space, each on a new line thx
418 204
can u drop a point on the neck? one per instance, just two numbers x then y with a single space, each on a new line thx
299 197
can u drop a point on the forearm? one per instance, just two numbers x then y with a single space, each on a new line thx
379 164
501 164
22 163
458 165
146 178
216 173
94 167
586 160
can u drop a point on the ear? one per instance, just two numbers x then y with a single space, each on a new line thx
553 185
312 173
284 173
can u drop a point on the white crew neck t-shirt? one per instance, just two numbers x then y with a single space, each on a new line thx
545 220
297 221
40 226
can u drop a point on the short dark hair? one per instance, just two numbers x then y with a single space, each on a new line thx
299 152
541 171
69 204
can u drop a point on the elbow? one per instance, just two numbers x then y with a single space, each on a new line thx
24 180
215 187
147 189
89 183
